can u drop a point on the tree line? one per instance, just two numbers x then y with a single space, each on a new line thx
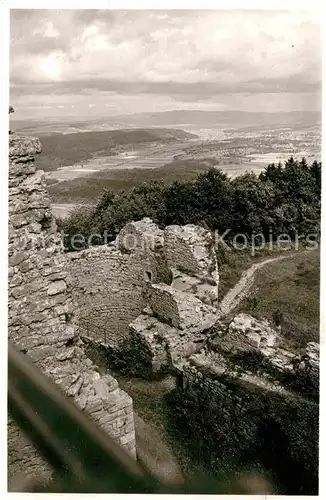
283 198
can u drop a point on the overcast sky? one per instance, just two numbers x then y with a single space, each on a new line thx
98 63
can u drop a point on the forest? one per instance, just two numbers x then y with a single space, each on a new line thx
285 198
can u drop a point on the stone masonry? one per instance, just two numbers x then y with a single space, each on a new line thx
42 313
178 316
145 265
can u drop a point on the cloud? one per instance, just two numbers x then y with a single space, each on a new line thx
194 55
46 29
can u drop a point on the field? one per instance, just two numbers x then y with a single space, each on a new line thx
59 150
82 157
88 189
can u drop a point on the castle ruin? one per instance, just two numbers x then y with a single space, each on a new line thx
153 292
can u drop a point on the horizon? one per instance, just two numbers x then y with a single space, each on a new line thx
76 64
107 117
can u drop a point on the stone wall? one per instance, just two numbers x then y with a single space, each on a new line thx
190 248
177 319
42 312
108 288
180 309
111 282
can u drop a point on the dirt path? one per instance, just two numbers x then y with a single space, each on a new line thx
242 288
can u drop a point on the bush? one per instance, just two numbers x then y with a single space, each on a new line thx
229 426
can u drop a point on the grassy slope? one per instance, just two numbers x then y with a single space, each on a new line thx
233 263
88 189
150 402
292 286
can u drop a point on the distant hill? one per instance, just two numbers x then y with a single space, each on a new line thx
66 126
177 119
67 149
224 118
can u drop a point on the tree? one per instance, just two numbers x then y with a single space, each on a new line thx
252 201
77 229
296 203
315 171
272 173
182 203
146 200
282 199
214 195
104 202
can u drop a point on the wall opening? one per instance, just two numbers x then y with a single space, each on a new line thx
148 276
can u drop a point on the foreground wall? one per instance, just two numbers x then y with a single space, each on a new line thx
42 312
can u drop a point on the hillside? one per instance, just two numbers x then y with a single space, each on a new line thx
292 287
226 119
66 149
282 200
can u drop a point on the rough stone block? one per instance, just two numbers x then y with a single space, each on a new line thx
94 403
190 248
127 438
142 236
41 352
17 258
180 309
254 339
101 388
57 287
20 146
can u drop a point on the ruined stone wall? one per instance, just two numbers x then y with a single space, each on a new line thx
180 309
111 282
254 400
243 397
108 289
41 312
190 248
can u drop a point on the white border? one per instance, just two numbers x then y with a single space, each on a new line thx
5 5
165 4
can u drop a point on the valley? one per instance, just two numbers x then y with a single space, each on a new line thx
82 158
